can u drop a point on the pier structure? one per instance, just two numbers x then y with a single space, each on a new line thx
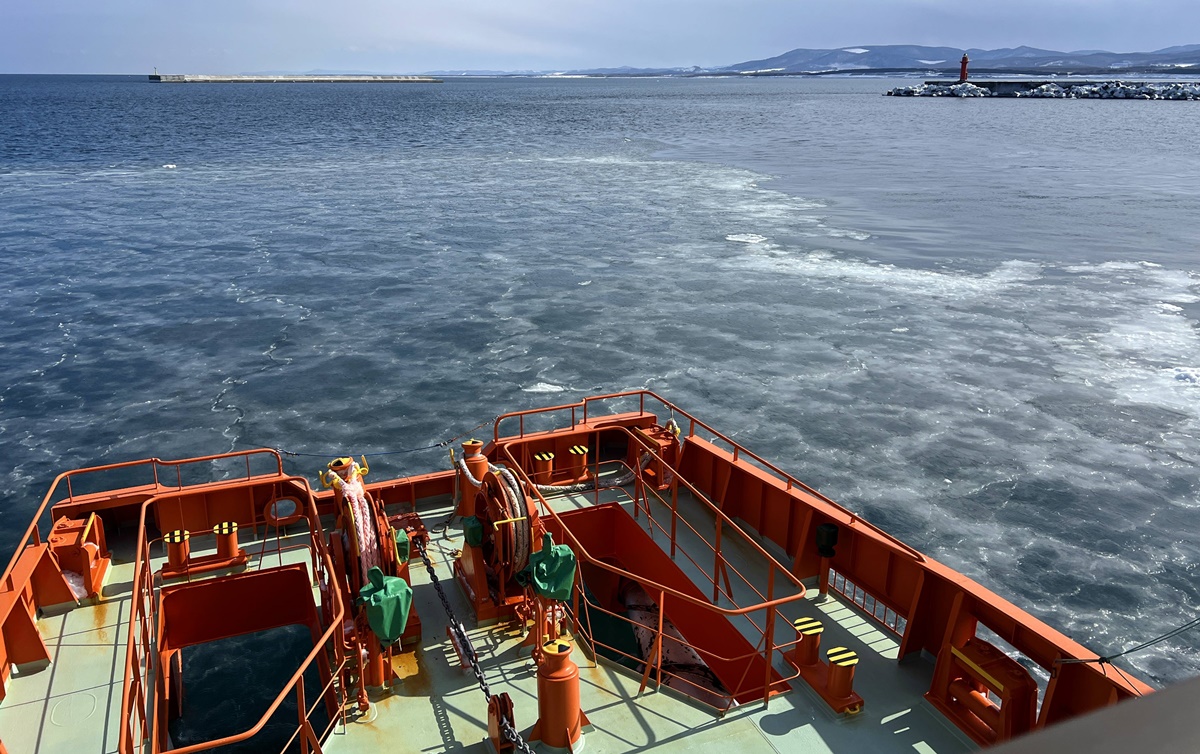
189 78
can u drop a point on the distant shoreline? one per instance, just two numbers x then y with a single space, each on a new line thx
179 78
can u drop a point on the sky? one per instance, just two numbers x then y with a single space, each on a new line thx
400 36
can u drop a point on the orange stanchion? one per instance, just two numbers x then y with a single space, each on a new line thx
477 464
178 548
227 539
560 719
579 458
543 467
808 651
842 662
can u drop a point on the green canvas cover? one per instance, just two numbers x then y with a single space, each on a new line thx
401 546
388 600
551 570
473 531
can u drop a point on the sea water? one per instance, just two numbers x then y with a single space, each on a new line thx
971 321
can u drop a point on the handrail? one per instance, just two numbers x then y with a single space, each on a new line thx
582 552
738 451
721 516
770 605
33 533
134 686
583 404
732 694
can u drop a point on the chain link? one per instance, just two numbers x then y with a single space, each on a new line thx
464 643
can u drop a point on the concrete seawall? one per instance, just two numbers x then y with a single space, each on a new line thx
187 78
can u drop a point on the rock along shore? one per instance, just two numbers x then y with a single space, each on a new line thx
1166 90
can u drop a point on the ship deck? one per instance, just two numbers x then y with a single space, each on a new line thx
74 703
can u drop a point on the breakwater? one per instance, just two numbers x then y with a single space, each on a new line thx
1161 90
188 78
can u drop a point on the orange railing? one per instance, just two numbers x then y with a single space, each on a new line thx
585 413
929 606
767 609
33 535
137 733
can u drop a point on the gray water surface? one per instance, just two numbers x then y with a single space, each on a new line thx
973 322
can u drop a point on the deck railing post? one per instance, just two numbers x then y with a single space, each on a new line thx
770 653
717 564
662 609
770 635
301 709
674 510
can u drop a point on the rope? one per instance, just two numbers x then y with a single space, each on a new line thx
1107 660
442 444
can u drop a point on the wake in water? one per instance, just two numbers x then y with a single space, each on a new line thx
1030 419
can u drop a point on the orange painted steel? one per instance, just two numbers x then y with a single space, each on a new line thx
179 549
500 708
227 540
933 608
682 590
33 578
614 544
79 546
33 581
560 718
477 465
137 726
138 730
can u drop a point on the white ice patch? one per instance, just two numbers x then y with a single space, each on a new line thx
75 581
169 166
930 62
857 235
1186 374
856 50
823 265
745 238
544 387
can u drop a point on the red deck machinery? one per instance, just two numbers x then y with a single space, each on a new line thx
364 539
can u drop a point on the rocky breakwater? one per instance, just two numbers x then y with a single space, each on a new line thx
964 89
1116 90
1173 90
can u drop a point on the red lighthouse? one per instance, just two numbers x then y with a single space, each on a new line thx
962 71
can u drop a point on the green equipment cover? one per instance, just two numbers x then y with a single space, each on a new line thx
473 531
401 546
551 570
388 600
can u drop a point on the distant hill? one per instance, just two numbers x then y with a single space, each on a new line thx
886 58
1182 59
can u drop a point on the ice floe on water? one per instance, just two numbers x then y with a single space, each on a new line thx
745 238
544 387
1186 374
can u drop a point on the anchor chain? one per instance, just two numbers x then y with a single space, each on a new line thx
464 642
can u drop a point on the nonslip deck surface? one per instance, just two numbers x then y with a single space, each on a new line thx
73 705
